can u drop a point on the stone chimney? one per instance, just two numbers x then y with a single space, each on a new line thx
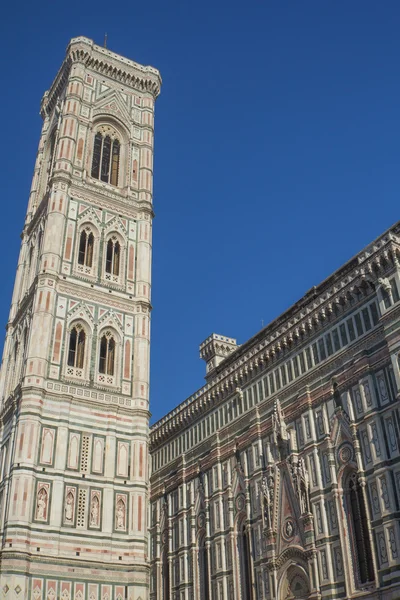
214 350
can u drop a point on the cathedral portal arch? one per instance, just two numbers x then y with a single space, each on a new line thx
294 583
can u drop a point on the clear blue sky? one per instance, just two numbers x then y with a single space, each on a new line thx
276 159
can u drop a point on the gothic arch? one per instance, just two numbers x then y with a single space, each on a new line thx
114 255
80 312
165 568
294 583
356 525
77 351
108 356
109 125
104 117
48 155
244 550
203 565
87 249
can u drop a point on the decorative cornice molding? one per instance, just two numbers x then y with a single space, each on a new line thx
123 203
106 63
305 319
110 64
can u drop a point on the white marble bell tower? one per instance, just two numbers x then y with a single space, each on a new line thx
75 372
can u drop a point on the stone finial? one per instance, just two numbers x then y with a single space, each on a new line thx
215 349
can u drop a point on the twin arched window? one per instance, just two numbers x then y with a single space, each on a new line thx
107 354
86 255
76 354
105 162
113 255
76 350
86 246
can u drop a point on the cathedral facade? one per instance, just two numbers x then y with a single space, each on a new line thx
280 478
75 372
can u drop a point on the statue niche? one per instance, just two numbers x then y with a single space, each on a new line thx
337 398
301 483
268 488
281 436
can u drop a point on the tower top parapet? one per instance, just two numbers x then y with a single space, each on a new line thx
97 59
215 349
97 51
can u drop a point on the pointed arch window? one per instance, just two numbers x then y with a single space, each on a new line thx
245 564
358 525
107 354
51 152
86 246
165 573
113 257
106 156
76 349
203 569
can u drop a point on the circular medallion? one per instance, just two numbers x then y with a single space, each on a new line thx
289 529
345 454
239 503
201 521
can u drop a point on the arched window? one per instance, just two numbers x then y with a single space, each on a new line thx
165 572
52 149
107 354
105 162
86 246
39 246
76 349
14 367
245 564
203 569
113 256
358 526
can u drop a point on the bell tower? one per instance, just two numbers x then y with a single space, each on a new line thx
75 372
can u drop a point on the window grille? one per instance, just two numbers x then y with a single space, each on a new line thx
85 453
80 521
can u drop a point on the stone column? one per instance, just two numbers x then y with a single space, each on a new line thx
208 533
221 520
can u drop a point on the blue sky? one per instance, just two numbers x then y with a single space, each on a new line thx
276 158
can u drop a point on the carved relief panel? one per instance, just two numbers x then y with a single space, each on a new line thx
42 502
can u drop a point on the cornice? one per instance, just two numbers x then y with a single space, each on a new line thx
300 323
123 203
106 63
258 422
37 216
10 406
99 296
110 64
50 97
75 394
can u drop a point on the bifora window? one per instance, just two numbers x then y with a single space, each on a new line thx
107 354
86 245
76 352
105 163
113 255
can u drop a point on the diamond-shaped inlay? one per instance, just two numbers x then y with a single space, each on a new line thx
18 589
37 593
5 589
